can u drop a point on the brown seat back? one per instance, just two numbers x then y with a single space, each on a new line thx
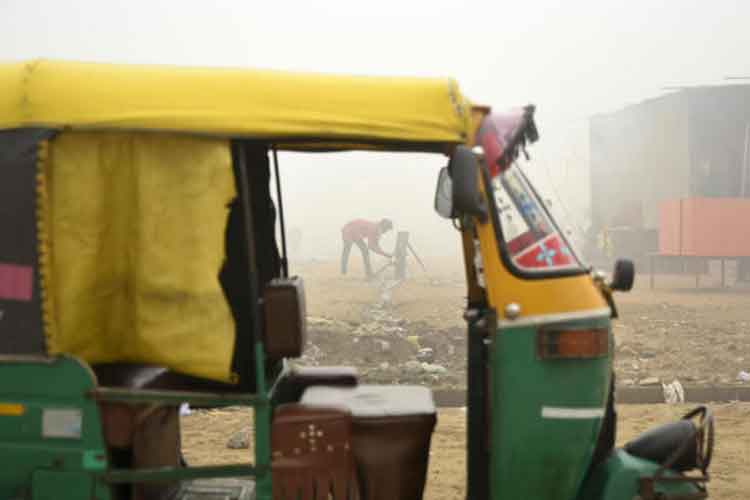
312 454
391 433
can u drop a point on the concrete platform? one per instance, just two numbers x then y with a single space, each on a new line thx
631 395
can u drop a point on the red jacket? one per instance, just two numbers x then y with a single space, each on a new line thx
360 229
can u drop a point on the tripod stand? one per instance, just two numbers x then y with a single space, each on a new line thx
399 259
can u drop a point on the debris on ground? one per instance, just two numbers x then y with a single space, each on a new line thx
673 393
649 381
241 439
696 336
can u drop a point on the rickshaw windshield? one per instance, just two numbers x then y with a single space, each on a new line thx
533 241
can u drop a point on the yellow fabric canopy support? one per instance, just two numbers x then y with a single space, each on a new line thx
284 107
134 227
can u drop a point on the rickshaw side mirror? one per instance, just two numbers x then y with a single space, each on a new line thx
464 174
623 276
444 195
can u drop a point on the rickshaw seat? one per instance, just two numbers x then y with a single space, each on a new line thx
391 432
312 453
299 378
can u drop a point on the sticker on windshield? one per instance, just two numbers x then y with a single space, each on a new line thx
531 237
548 254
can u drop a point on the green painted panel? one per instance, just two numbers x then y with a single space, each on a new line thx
546 416
56 485
58 433
617 479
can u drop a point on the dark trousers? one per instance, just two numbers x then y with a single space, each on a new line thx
365 255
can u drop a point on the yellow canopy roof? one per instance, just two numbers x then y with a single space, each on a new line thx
282 107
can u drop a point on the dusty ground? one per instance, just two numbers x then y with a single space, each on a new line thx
206 435
697 336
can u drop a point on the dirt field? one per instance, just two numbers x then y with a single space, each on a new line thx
698 337
206 435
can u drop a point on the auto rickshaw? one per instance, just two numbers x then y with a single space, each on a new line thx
139 269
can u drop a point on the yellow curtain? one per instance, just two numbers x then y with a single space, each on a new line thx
133 225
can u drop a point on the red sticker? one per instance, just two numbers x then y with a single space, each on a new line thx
16 282
550 253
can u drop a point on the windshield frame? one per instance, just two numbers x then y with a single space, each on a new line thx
505 256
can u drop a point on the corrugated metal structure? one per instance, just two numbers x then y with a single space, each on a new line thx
686 144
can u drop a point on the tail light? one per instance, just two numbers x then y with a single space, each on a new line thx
572 343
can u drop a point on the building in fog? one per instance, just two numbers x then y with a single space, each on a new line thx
692 143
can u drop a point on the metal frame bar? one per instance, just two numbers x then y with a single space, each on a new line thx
123 395
120 476
280 201
481 321
262 412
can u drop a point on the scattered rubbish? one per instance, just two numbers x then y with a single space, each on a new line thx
743 376
649 381
240 440
317 321
185 410
412 366
674 393
430 368
414 339
426 354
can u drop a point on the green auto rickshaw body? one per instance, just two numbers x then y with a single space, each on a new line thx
100 165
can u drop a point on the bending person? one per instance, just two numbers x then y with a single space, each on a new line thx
355 233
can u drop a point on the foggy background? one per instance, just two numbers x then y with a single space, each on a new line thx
571 59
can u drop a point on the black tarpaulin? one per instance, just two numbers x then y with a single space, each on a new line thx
21 329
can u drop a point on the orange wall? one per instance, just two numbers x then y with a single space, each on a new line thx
669 227
705 227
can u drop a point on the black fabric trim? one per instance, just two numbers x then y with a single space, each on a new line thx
234 274
21 329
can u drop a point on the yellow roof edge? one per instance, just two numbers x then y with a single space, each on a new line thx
265 104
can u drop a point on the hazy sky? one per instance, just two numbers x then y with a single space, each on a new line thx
570 58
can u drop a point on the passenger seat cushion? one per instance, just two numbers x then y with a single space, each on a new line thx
300 378
326 375
369 401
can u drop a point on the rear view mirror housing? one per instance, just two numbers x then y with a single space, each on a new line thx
444 195
623 276
463 169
